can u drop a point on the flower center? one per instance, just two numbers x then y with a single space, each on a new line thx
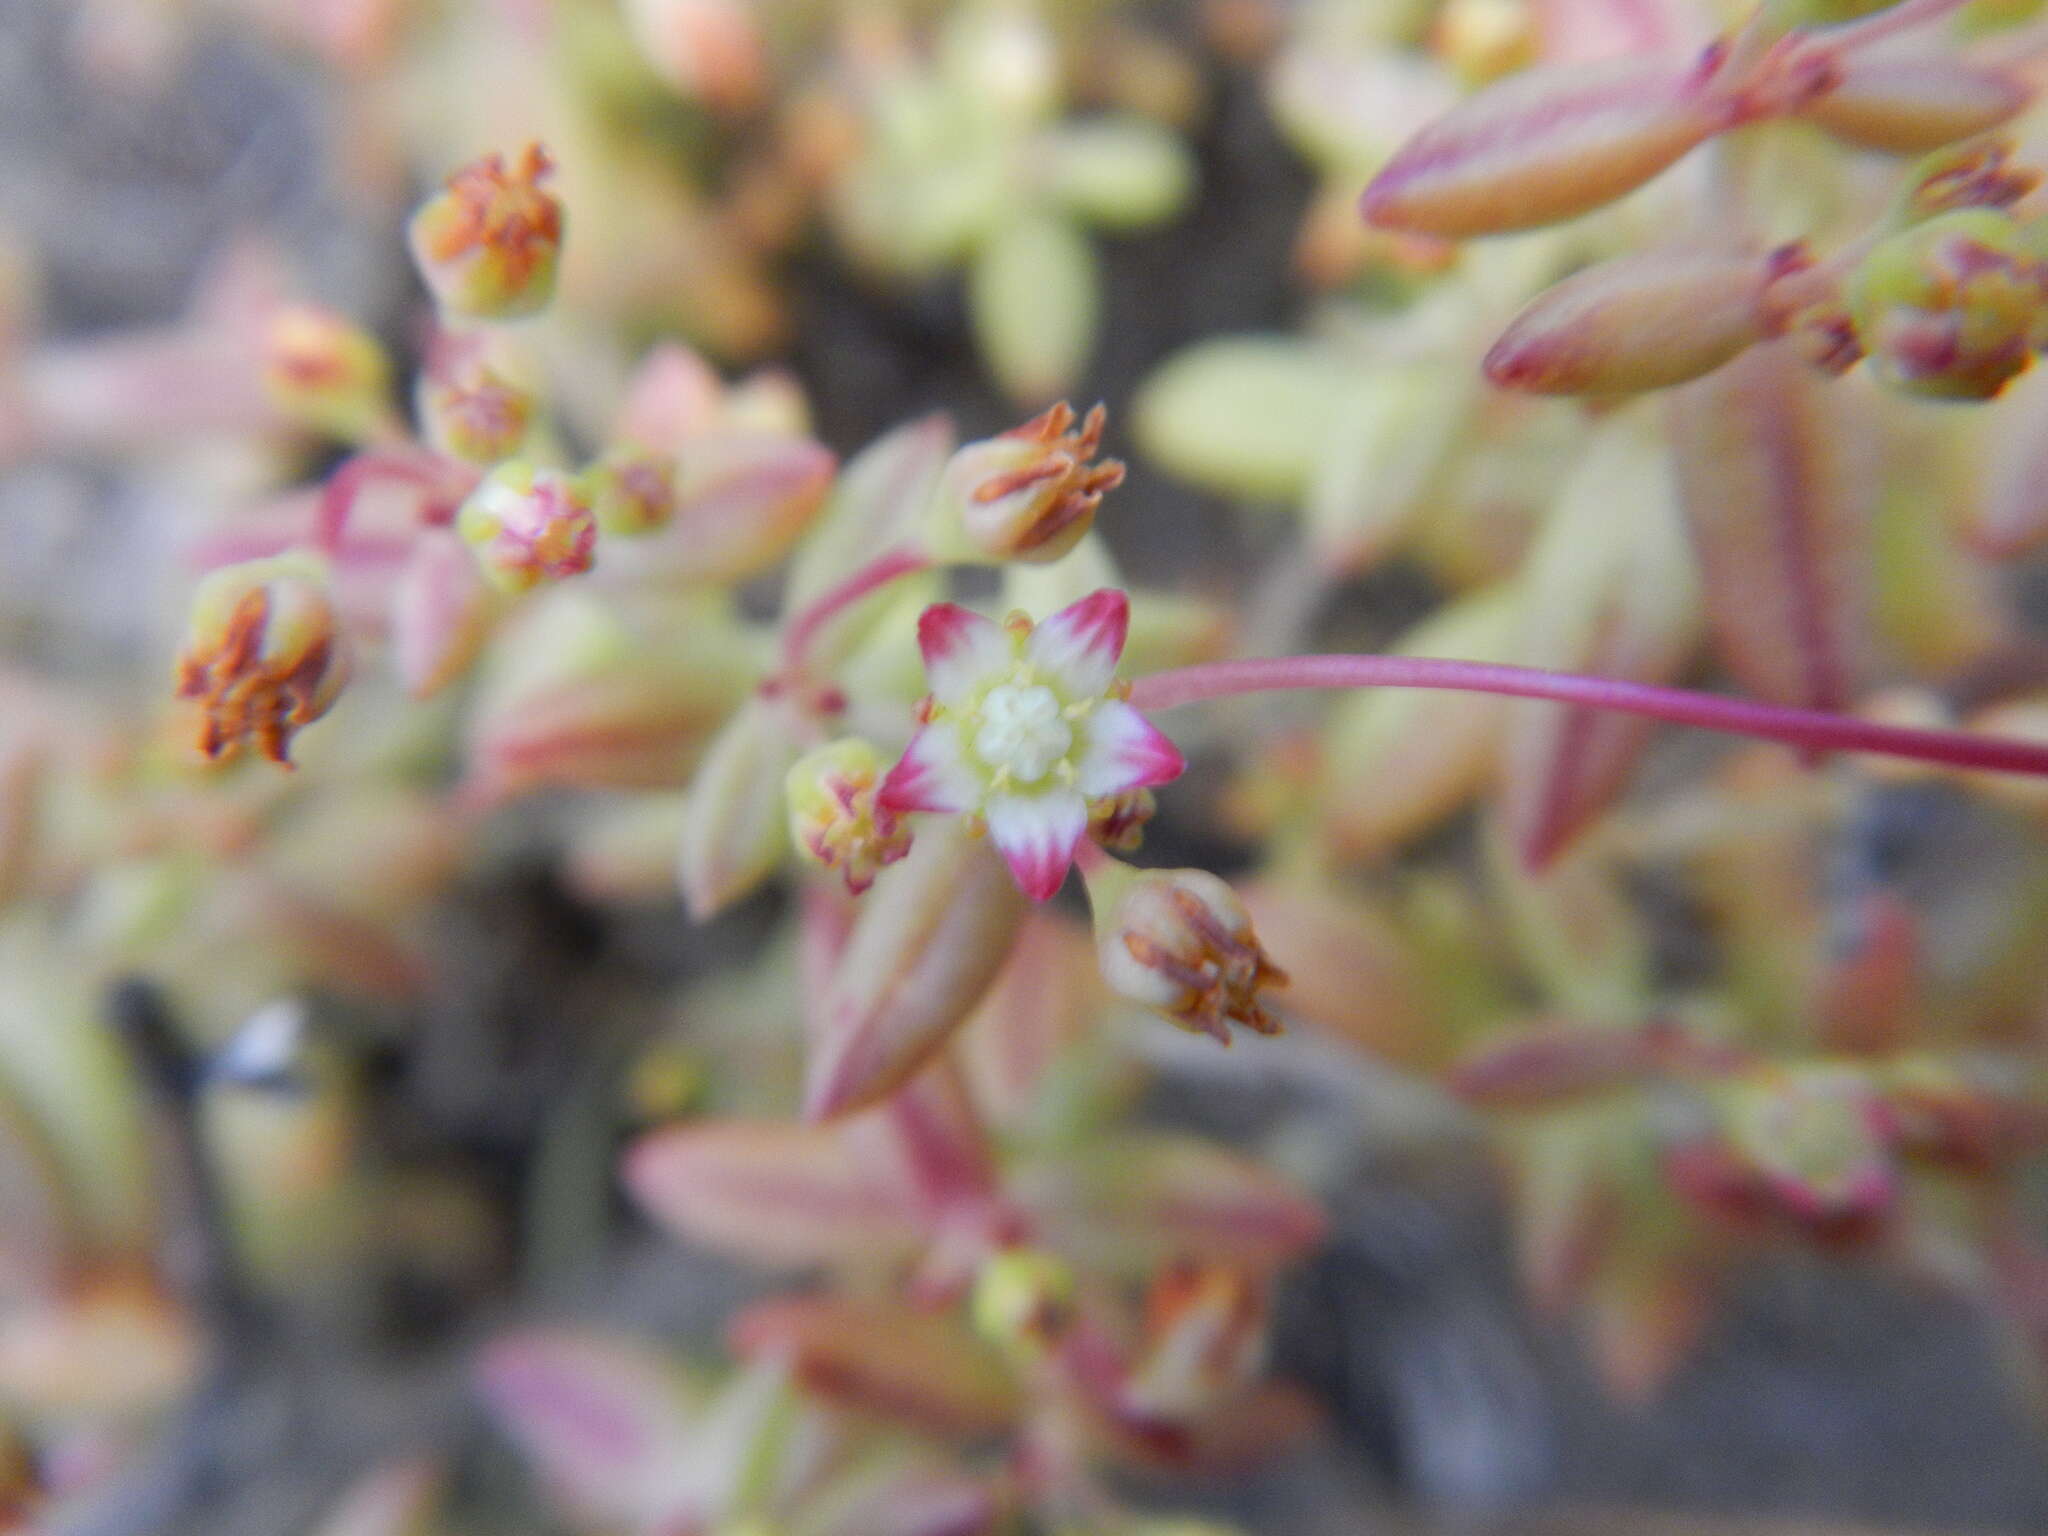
1023 731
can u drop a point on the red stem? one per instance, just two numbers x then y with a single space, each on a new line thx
802 631
1808 729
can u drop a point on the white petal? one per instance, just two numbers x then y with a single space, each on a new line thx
933 774
962 650
1037 835
1123 751
1077 649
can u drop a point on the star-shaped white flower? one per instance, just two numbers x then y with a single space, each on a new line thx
1021 729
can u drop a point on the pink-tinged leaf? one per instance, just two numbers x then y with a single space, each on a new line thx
1398 761
1565 1208
604 1422
1550 1061
1585 31
1348 969
741 501
1544 145
944 1144
1638 322
929 939
735 822
776 1194
1037 835
1649 1310
962 650
441 613
1039 1010
2008 517
1230 1441
902 1496
395 1500
1124 751
1777 472
1078 647
672 396
1610 597
1910 104
933 774
1138 1200
926 1370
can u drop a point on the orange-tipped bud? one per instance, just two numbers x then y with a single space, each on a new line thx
1180 943
472 412
632 491
488 244
264 654
528 525
833 818
1029 494
324 370
1953 308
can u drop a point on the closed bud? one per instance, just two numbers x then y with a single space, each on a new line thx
528 525
833 817
733 825
740 501
632 492
1029 494
441 613
264 654
1180 943
1023 1301
1118 822
1910 105
1953 308
1641 322
489 243
1979 175
327 372
1544 145
472 411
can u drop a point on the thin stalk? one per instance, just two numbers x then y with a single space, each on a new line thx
803 630
1880 25
1809 730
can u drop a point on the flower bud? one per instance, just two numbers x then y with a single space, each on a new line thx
1978 175
1547 144
1023 1301
1910 105
1953 308
1118 821
632 492
441 613
264 654
1029 494
489 243
1181 944
472 412
528 525
1640 322
833 816
325 371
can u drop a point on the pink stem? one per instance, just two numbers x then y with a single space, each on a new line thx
357 474
1808 729
802 632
